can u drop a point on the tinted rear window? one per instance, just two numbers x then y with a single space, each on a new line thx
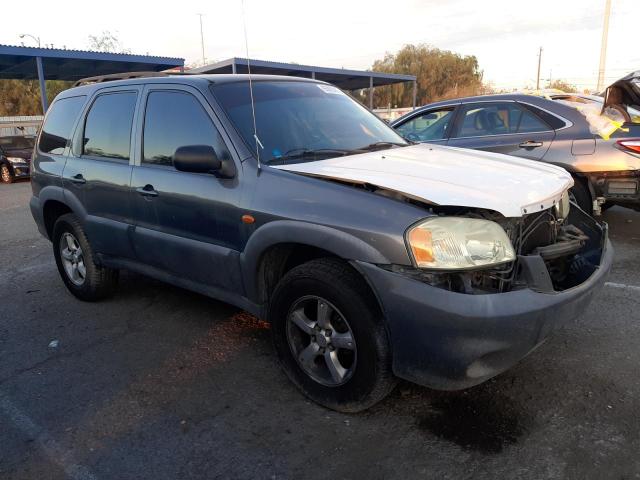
56 130
107 131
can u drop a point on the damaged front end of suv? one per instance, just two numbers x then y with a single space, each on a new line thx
547 251
496 258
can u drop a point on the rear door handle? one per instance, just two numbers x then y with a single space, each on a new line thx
147 191
530 144
78 178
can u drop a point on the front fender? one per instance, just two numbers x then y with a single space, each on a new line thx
337 242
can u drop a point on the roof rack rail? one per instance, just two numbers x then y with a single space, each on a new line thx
122 76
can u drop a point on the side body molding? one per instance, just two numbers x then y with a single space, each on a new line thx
276 232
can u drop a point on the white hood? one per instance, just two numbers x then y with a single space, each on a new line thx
451 176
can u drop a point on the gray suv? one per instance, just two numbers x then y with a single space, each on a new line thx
371 257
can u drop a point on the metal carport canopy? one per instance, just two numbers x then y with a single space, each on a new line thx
340 77
27 63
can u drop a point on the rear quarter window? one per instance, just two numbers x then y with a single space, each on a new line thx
56 130
551 120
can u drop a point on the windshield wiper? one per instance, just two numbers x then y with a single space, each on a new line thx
377 145
307 153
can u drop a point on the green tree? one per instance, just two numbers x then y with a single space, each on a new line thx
441 74
22 97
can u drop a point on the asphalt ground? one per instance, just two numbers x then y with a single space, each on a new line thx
161 383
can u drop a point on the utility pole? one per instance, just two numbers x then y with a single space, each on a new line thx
204 61
603 47
539 62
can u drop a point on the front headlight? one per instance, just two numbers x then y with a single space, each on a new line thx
458 243
16 160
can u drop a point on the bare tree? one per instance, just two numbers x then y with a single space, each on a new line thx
106 42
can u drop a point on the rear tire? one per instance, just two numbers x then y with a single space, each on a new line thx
336 352
77 264
5 174
581 195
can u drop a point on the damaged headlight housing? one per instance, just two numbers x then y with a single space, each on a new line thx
458 243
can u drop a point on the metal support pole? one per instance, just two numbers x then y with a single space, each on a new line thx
371 92
415 93
233 66
43 86
313 75
603 46
204 60
539 62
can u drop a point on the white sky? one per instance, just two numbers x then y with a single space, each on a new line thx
503 34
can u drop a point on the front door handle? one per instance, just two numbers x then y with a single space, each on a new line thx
147 191
78 178
530 144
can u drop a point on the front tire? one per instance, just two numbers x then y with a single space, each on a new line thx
77 264
329 335
5 174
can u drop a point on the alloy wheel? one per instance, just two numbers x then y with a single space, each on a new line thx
72 259
321 341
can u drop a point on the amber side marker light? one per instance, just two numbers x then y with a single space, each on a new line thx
248 219
632 144
421 245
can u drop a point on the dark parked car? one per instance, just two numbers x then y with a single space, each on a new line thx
371 258
540 129
15 157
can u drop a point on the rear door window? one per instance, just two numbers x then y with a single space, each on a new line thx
500 118
56 130
176 119
107 131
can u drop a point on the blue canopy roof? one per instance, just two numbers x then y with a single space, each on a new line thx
340 77
58 64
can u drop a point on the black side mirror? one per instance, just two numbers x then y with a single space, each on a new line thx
196 159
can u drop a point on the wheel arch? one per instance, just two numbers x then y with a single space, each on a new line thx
56 202
277 247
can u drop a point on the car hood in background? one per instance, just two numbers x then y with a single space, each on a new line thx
450 176
19 152
630 85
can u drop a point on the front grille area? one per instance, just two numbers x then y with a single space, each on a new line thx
570 249
552 255
535 230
